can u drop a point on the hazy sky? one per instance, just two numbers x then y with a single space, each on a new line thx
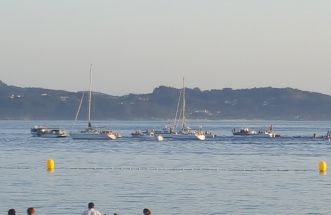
137 45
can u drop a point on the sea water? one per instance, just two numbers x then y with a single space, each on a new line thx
226 175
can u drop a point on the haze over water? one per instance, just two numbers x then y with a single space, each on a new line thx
222 176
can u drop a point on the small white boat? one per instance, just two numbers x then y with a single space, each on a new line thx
147 135
244 132
268 132
93 133
43 131
262 133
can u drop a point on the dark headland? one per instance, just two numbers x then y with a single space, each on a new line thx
251 104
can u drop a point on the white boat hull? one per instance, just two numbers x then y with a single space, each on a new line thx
50 136
186 136
149 137
267 135
89 136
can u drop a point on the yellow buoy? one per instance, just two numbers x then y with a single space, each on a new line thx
323 167
50 165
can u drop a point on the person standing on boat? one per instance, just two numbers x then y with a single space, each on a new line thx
91 210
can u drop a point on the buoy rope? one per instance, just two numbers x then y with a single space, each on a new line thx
166 169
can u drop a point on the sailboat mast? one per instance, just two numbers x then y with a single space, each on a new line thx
90 99
184 104
177 110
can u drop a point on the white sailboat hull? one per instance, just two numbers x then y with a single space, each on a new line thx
184 136
92 133
89 136
148 138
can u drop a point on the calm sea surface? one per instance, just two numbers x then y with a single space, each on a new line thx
227 175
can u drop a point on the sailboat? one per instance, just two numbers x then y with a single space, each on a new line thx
93 133
184 132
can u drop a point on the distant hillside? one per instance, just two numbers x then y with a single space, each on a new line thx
257 103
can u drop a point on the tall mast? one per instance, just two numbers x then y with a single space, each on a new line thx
90 99
177 110
184 104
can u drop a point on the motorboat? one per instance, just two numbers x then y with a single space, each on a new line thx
261 133
92 133
147 135
37 129
268 132
244 132
43 131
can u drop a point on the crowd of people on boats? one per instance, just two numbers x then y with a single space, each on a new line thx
91 210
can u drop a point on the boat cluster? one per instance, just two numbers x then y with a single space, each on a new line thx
93 133
167 133
177 131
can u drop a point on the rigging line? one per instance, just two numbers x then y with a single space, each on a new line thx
184 105
80 106
90 98
177 110
78 111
